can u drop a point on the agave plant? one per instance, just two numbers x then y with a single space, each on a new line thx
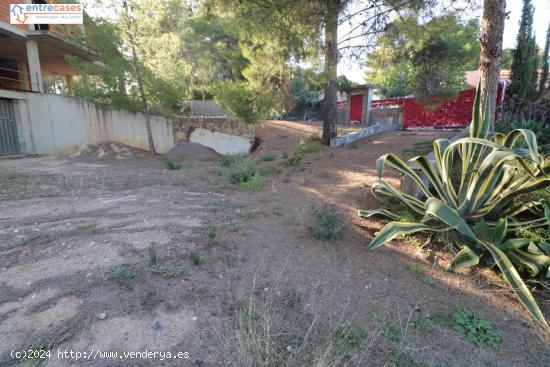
471 189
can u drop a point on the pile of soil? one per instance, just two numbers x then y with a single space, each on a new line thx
107 150
192 151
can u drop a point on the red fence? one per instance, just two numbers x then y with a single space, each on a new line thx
453 113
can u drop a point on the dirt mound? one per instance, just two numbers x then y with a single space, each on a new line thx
192 151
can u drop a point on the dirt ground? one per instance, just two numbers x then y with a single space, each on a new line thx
79 235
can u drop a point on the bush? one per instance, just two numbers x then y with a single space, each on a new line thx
255 183
329 224
478 330
172 164
479 207
293 161
243 171
542 132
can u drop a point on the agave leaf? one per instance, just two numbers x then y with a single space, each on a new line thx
514 244
395 229
466 257
448 215
382 186
544 247
483 230
383 212
501 229
530 140
395 162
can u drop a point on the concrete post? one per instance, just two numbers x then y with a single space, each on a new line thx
23 75
34 66
367 105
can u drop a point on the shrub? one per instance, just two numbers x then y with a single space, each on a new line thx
254 183
268 158
172 164
478 330
479 206
293 161
329 224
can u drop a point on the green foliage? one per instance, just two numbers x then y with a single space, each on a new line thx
306 87
329 223
246 103
195 258
124 274
308 147
478 330
524 62
173 164
542 132
347 338
255 183
543 82
424 59
169 270
471 191
152 252
292 161
268 158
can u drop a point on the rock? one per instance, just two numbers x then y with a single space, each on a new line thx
102 316
156 325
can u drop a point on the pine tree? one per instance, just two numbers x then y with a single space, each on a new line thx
545 66
524 63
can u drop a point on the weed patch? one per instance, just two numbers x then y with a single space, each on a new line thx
478 330
292 161
195 258
329 223
173 164
124 274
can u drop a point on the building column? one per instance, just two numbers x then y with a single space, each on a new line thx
34 66
69 84
23 75
367 105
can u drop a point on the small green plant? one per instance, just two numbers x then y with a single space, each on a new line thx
211 233
255 183
195 258
270 170
416 268
478 330
292 161
152 255
124 274
150 301
173 164
169 270
306 147
418 323
347 338
293 299
230 160
268 158
329 223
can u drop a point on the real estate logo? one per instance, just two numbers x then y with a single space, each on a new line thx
46 14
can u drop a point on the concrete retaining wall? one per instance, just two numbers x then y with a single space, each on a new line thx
361 134
49 122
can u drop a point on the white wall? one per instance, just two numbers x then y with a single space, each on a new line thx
49 122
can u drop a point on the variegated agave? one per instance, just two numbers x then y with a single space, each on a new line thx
479 203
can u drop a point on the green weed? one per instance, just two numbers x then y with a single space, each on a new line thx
292 161
152 252
195 258
478 330
172 164
124 274
347 338
329 223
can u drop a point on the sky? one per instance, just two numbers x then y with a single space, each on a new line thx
355 70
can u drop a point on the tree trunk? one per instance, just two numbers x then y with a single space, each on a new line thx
330 70
492 28
144 102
